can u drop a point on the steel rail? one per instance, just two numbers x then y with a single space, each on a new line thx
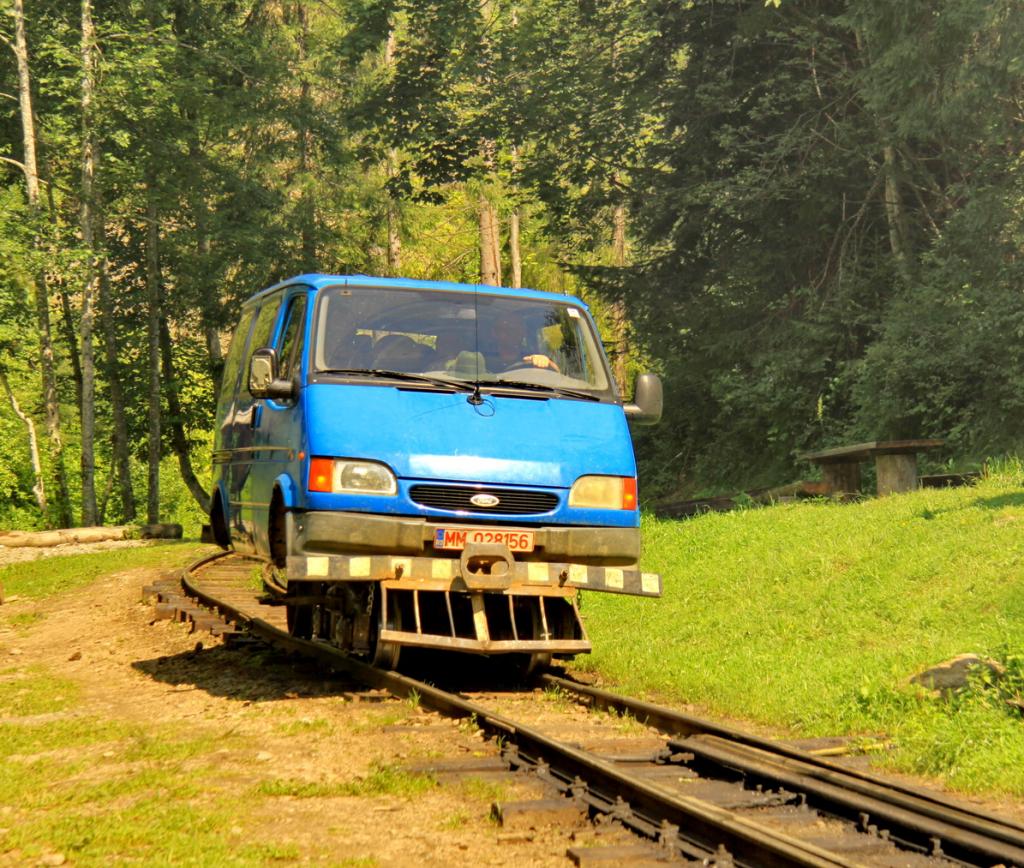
690 826
890 800
939 833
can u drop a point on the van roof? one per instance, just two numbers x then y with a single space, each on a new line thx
318 281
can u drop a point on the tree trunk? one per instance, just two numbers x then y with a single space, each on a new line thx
153 336
394 233
515 256
88 319
42 301
67 325
39 485
122 462
307 202
394 229
514 249
101 508
894 213
620 323
28 128
208 300
179 442
490 261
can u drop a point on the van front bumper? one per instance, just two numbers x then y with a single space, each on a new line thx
324 533
344 546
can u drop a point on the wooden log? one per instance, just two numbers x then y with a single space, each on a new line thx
841 477
896 473
50 538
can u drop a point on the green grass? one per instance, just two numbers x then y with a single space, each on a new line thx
99 791
46 576
382 780
812 616
31 691
104 792
317 726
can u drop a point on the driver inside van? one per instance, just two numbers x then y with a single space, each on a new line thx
502 348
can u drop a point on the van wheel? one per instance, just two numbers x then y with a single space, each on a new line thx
219 524
527 667
356 619
277 535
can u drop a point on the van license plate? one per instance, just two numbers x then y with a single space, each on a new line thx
458 537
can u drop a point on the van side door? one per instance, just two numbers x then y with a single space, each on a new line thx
278 435
244 423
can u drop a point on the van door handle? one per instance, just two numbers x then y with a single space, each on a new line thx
256 413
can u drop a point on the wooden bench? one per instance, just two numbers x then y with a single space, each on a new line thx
895 464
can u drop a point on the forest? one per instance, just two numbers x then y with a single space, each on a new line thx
806 215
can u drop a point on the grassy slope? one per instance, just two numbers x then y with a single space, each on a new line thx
46 576
814 615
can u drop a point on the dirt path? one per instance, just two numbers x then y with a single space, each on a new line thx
282 725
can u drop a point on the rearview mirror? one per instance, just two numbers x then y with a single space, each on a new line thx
263 379
646 406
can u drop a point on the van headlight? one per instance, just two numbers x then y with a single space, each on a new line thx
604 492
346 476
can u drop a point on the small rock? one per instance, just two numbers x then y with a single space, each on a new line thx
263 757
107 754
15 652
954 674
53 859
76 656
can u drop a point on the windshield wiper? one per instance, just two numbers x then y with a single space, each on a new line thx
538 387
381 373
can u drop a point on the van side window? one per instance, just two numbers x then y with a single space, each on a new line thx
289 351
229 379
262 332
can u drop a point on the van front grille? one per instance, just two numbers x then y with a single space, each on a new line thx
510 501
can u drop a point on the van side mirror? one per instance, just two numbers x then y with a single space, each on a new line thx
263 379
645 408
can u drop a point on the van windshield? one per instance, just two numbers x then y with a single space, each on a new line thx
497 341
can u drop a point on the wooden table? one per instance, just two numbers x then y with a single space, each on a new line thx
895 464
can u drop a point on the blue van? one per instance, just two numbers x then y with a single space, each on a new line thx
429 464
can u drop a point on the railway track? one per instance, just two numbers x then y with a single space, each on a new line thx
699 791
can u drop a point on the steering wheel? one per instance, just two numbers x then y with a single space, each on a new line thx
521 365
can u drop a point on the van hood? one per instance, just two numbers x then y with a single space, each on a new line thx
441 436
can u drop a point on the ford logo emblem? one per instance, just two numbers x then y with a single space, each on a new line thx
484 500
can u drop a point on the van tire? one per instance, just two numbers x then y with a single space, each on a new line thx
218 524
277 531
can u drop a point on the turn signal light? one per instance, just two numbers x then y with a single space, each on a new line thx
629 493
321 474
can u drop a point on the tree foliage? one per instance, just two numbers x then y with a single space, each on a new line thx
822 200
